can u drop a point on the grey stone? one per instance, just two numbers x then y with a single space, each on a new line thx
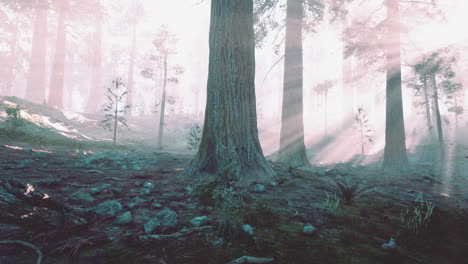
259 188
111 207
391 245
199 221
309 230
124 218
82 196
94 191
145 191
148 185
132 205
157 205
248 229
162 221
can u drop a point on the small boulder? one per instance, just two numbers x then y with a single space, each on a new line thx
82 196
145 191
390 246
124 218
157 206
309 230
111 207
259 188
199 221
248 229
162 221
148 185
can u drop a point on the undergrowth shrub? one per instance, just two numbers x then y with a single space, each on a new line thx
350 188
418 217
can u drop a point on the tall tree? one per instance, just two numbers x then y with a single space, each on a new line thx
35 90
292 149
230 145
395 156
135 14
96 89
58 68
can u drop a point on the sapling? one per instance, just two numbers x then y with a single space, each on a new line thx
364 129
14 117
115 107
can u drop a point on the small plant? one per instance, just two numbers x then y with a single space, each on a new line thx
349 189
230 204
332 202
14 117
114 107
193 137
419 216
364 129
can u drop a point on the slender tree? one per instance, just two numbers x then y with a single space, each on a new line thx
96 88
292 149
230 146
58 68
35 90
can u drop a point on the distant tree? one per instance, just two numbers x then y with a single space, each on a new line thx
36 81
58 67
230 149
322 89
437 70
363 127
163 43
115 107
135 14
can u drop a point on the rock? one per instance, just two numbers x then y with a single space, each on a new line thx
217 242
148 185
199 221
273 183
157 206
248 230
309 230
145 191
259 188
137 184
105 186
44 164
427 181
94 191
390 246
162 221
124 218
132 205
111 207
82 196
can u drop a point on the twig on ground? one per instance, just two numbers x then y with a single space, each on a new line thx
247 259
174 235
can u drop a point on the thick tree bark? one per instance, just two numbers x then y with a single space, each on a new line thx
131 67
292 149
36 90
58 70
230 147
438 119
96 91
395 156
163 106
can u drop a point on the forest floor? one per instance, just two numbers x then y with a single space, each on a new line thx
133 204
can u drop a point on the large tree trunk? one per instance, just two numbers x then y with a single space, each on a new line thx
438 119
58 70
131 67
292 148
395 156
163 107
230 147
35 90
96 91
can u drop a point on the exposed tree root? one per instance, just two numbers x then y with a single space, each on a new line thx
248 259
183 232
25 244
